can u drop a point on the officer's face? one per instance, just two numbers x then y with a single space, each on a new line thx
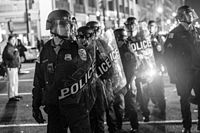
132 28
153 28
13 41
57 40
84 40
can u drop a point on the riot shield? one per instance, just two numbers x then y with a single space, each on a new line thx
74 78
118 76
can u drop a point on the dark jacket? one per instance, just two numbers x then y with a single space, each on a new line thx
62 76
177 52
11 56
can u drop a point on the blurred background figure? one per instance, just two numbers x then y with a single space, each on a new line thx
11 59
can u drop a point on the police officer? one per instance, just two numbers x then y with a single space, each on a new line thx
139 45
157 41
157 89
181 59
63 80
104 102
119 102
129 65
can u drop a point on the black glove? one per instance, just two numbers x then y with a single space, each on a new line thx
37 115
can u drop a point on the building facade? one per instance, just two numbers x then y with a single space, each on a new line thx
28 17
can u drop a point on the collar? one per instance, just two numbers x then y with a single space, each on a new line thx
54 45
186 26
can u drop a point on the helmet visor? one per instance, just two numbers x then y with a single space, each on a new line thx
86 36
62 28
192 13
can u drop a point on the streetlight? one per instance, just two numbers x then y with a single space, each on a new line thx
98 13
174 14
160 11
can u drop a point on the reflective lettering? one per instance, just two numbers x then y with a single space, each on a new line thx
82 83
108 62
140 45
64 93
104 67
74 88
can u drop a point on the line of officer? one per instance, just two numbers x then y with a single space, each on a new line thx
64 79
182 60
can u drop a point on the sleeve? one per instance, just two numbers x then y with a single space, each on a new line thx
38 86
169 56
8 53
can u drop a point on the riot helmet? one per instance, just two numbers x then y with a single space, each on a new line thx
85 35
59 23
95 26
120 34
131 25
186 14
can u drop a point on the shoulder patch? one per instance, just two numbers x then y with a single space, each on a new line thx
171 35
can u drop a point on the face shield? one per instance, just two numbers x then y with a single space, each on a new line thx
132 27
153 28
85 39
122 39
62 28
190 15
187 15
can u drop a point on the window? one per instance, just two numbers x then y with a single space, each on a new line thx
121 8
110 5
91 3
80 2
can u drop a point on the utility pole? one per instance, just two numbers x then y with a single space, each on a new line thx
104 12
117 8
27 21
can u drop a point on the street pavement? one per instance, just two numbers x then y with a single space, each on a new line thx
16 117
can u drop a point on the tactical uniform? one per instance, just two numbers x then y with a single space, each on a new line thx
60 71
178 58
182 60
142 51
64 79
157 89
111 77
129 65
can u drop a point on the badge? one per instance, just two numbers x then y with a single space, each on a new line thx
83 55
68 57
50 67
